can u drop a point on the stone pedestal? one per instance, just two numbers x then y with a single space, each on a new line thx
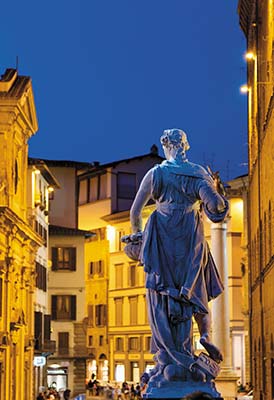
180 390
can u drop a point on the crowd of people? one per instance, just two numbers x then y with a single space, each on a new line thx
53 394
115 391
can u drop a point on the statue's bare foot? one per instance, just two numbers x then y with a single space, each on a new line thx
212 350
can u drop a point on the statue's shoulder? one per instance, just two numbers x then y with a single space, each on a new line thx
198 170
187 168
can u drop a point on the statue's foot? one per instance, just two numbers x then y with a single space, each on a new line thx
212 350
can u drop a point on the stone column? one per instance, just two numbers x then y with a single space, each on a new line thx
226 382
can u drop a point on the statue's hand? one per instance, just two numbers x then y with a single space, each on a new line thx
134 237
218 184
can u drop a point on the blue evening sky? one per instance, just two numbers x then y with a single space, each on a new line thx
110 75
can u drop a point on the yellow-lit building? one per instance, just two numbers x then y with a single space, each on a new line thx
18 240
257 23
106 193
41 186
66 368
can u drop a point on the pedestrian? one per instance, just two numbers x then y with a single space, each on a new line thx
66 394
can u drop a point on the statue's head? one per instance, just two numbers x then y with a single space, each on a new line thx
175 141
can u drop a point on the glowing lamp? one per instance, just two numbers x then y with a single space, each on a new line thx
250 56
50 189
244 89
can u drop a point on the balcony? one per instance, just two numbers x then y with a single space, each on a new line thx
49 346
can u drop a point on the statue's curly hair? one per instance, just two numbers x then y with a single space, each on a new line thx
175 138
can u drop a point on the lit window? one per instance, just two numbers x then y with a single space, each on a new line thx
63 307
63 258
100 315
132 274
118 311
119 344
119 275
133 343
133 305
147 343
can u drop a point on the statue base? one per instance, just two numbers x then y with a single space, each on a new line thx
179 390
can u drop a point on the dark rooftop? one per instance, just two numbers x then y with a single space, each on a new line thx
65 231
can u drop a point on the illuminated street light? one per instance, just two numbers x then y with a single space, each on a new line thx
250 56
244 89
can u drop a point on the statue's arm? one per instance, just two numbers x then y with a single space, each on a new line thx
142 197
215 205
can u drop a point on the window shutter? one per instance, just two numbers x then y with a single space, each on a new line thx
97 315
54 258
73 307
91 268
47 320
104 314
44 279
90 315
53 307
38 330
72 256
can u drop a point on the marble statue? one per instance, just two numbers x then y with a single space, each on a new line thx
181 276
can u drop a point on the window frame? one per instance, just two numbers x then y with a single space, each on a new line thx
72 307
72 260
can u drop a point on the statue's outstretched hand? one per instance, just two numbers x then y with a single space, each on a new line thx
134 237
218 184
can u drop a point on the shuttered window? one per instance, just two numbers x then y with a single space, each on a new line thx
38 332
118 311
96 267
133 305
119 344
63 307
47 327
63 258
90 315
63 342
100 314
41 277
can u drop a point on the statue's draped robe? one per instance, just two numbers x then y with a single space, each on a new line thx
181 276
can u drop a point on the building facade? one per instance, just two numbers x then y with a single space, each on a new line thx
41 186
66 290
257 21
115 286
66 368
18 240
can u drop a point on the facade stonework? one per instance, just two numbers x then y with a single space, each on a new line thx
257 22
18 241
